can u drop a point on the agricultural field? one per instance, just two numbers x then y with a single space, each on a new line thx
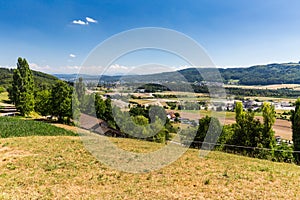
56 167
16 127
266 87
274 99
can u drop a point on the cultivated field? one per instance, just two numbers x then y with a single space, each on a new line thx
16 127
266 87
59 167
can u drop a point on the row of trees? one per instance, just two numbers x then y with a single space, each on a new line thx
249 136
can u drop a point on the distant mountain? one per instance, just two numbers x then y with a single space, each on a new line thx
284 73
73 77
41 79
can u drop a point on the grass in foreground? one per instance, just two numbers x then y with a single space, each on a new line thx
15 127
60 167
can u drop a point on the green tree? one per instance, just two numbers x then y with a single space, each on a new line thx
268 112
295 118
22 91
140 120
99 107
239 112
202 132
247 130
42 102
225 137
61 101
108 113
80 90
283 153
88 105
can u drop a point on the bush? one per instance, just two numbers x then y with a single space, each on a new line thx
283 153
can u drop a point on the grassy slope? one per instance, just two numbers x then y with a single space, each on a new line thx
60 167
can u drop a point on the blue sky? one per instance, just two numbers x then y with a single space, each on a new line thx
233 32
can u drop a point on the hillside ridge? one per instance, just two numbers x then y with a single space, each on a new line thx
275 73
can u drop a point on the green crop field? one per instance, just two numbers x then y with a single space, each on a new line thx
15 127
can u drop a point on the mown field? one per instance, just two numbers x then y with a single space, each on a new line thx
59 167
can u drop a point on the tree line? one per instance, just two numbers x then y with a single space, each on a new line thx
248 136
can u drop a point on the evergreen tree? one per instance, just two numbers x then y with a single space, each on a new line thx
22 91
295 118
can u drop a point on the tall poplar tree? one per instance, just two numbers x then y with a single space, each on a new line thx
295 118
268 112
22 92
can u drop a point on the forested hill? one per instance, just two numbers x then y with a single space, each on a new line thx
41 79
255 75
264 74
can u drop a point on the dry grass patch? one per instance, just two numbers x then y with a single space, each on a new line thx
59 167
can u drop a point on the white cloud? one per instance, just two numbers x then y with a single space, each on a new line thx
72 55
8 66
91 20
80 22
118 67
37 67
72 67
